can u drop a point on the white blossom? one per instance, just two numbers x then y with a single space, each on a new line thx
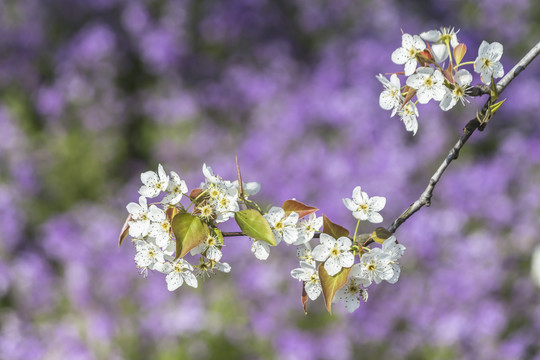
154 183
390 98
365 208
429 84
283 227
336 254
139 226
260 249
148 255
487 63
395 252
307 272
351 293
176 188
250 188
206 268
160 228
406 54
210 246
303 252
178 272
307 227
374 265
408 115
222 195
441 40
462 80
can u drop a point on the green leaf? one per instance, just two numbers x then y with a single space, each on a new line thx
493 91
331 284
380 234
189 231
301 209
332 229
124 232
254 225
496 106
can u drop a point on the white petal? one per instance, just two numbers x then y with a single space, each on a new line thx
190 279
149 192
400 56
352 303
344 243
360 215
251 188
328 241
149 178
419 44
332 266
260 249
375 218
448 101
407 41
415 81
313 290
463 77
174 281
440 52
432 35
213 253
321 252
346 259
377 203
223 267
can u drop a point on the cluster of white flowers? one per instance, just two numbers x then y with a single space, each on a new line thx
375 264
150 227
193 218
429 77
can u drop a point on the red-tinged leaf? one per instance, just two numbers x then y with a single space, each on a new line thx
305 297
189 231
459 52
410 93
254 225
448 73
301 209
240 183
331 284
124 232
425 57
380 235
332 229
397 73
195 193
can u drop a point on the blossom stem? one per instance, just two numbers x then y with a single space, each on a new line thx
356 230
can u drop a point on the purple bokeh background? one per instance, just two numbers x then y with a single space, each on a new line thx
95 92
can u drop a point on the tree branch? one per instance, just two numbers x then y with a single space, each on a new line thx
425 197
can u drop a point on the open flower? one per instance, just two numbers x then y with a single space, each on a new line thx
336 254
351 294
374 266
409 115
390 98
154 183
175 189
462 80
283 227
139 226
210 246
307 227
365 208
441 40
307 272
487 63
406 54
178 272
429 84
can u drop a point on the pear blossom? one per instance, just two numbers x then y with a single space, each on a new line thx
307 272
225 206
148 255
336 254
154 183
139 226
406 54
210 247
395 252
260 249
178 272
390 98
408 114
307 227
429 84
160 228
303 252
206 268
250 188
462 80
487 63
222 195
441 40
176 188
351 293
374 265
365 208
283 227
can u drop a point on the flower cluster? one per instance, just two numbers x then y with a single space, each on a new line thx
183 223
428 76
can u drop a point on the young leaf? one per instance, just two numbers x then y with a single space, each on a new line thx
331 284
125 231
189 231
254 225
195 193
305 297
380 234
459 52
301 209
332 229
240 183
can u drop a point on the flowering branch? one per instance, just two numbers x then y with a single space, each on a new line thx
425 197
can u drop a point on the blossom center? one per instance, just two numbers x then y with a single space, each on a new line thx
428 82
334 252
363 207
279 225
371 267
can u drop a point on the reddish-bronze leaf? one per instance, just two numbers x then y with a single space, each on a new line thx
331 284
301 209
195 193
332 229
124 232
305 297
459 52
